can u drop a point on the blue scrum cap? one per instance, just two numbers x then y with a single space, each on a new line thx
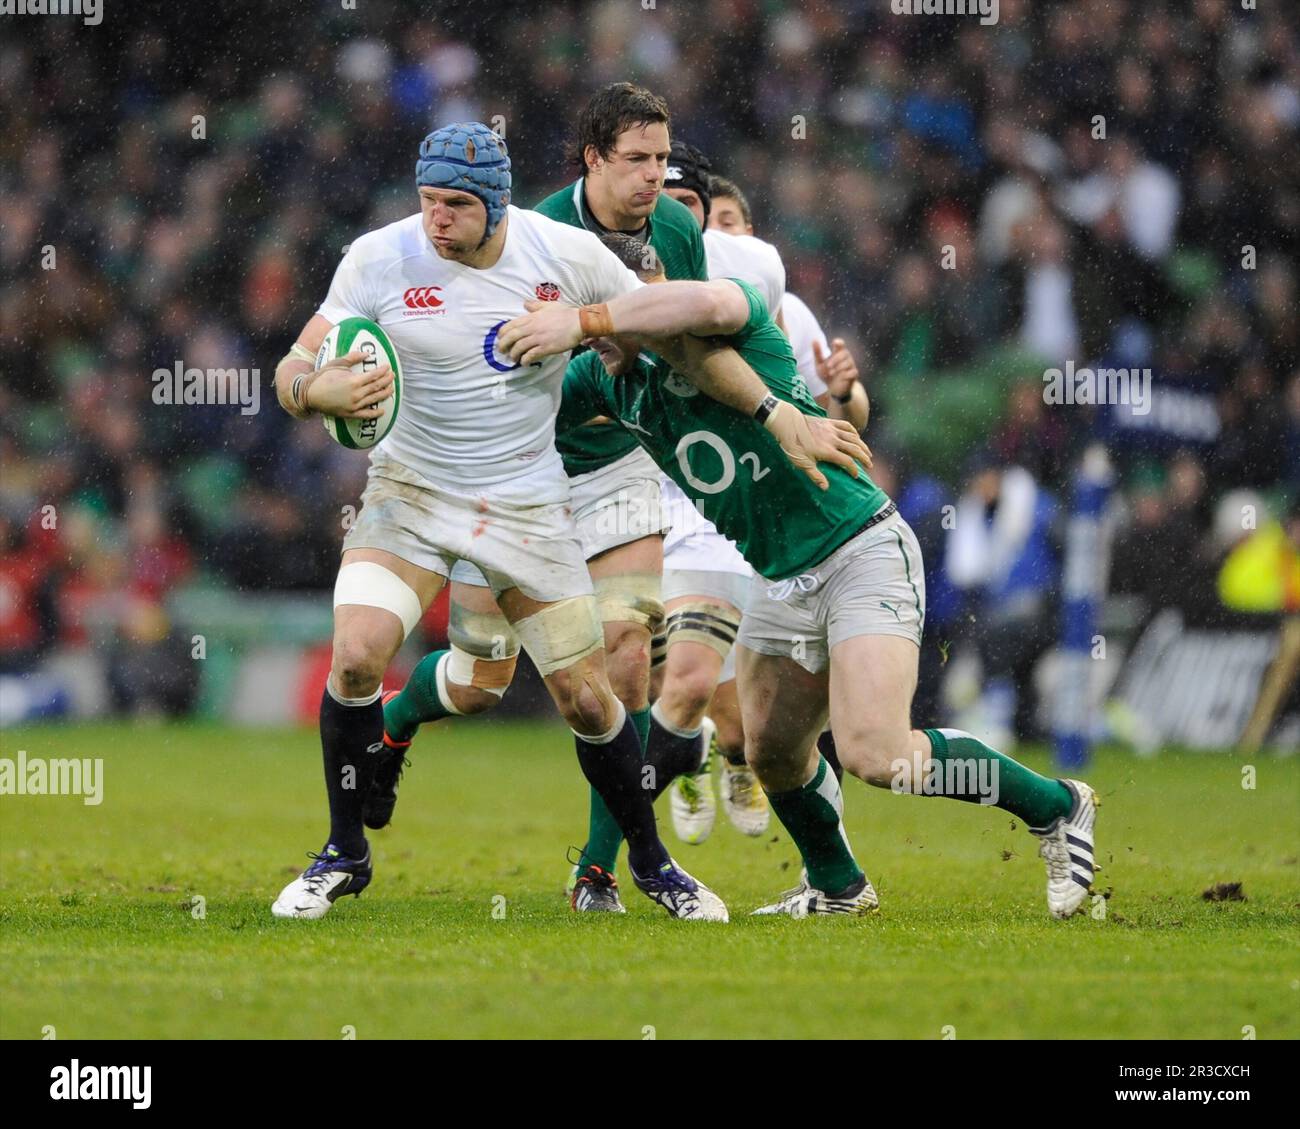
472 158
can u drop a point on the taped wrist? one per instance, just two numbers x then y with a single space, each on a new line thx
767 406
294 399
595 320
301 386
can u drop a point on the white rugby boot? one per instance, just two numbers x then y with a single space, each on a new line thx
317 888
690 798
1067 848
680 894
806 901
743 798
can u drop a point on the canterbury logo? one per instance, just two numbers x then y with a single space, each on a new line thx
422 297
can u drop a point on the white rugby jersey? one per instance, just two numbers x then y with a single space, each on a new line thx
471 420
745 257
693 542
802 326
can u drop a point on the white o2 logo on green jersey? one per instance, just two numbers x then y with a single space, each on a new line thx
723 452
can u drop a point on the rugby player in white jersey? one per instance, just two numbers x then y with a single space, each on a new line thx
828 369
620 148
462 477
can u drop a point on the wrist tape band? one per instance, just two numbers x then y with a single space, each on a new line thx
595 320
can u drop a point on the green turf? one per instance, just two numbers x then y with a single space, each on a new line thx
100 939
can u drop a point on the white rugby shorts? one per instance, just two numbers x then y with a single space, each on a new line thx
532 548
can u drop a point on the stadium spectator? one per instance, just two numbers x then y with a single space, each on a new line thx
1004 554
27 581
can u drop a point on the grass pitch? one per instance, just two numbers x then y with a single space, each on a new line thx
465 932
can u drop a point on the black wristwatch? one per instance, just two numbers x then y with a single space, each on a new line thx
765 408
842 399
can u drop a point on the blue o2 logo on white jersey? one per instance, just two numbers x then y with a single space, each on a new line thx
489 349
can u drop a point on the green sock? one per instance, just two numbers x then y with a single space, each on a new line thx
641 723
603 836
418 702
967 769
813 815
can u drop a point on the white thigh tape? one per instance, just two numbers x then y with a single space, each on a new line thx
632 597
485 635
561 633
374 586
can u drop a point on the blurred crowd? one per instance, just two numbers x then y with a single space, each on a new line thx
1090 181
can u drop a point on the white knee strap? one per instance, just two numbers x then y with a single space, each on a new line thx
374 586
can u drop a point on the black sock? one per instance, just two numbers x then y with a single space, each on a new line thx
613 767
349 738
826 746
671 754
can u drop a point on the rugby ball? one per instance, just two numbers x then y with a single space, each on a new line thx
351 335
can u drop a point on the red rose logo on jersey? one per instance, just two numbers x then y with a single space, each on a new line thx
547 292
422 300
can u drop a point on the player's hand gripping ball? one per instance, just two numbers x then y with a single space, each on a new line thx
360 421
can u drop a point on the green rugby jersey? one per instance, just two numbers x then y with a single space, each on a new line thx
675 235
731 467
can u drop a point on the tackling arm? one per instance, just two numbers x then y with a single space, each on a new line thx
693 311
666 309
703 309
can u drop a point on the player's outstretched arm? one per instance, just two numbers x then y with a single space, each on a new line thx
845 397
663 310
721 373
333 389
